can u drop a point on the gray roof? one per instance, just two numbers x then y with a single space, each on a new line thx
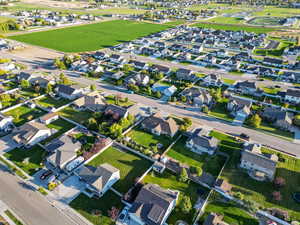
97 176
152 203
65 149
200 139
259 160
294 93
68 90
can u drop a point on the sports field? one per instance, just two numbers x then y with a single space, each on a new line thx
90 37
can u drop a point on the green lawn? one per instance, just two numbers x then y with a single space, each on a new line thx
90 37
219 111
232 214
27 159
130 166
147 139
227 20
77 116
48 101
61 125
24 114
87 206
228 81
210 164
235 27
271 91
168 181
123 103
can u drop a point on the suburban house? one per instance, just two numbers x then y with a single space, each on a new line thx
49 118
279 118
169 91
92 101
30 133
239 107
160 69
198 96
152 206
117 112
184 74
99 179
64 150
117 59
200 142
156 124
246 87
292 96
213 80
69 92
139 65
5 122
137 79
259 166
214 219
42 81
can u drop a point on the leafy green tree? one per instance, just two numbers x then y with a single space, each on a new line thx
5 98
183 176
133 87
93 87
49 88
158 94
92 123
115 130
186 204
205 109
297 120
25 84
183 98
64 79
238 195
255 120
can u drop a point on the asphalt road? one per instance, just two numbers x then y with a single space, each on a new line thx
28 204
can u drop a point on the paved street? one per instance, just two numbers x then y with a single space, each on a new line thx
29 205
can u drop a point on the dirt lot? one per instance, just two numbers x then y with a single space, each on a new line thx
58 4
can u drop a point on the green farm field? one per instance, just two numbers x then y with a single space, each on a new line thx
90 37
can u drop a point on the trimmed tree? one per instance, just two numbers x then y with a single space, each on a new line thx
183 176
186 204
255 120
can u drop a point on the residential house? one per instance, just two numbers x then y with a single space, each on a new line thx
49 118
239 107
200 142
160 69
198 96
117 112
279 118
117 59
273 62
156 124
292 96
259 165
213 80
5 122
152 206
169 91
99 179
246 87
139 65
138 79
184 74
30 134
64 150
92 101
69 92
42 81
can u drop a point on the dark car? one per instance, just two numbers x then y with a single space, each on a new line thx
46 174
277 86
245 136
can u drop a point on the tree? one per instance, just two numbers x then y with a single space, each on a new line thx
276 195
25 84
183 98
49 88
63 79
279 182
186 204
297 120
238 195
93 87
187 121
183 176
158 94
133 87
205 109
255 120
92 123
116 130
5 98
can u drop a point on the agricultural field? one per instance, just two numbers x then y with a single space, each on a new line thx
99 35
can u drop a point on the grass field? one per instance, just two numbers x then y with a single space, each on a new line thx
210 164
77 116
24 114
90 37
48 101
85 206
130 166
227 20
234 27
28 160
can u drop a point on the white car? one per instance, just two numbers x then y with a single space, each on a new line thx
73 164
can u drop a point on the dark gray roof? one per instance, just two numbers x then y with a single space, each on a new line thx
247 84
259 160
68 90
152 203
294 93
202 140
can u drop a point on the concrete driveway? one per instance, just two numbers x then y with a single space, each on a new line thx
68 190
7 144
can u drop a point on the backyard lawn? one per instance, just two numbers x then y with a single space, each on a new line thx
210 164
168 181
130 166
48 101
219 111
77 116
147 139
99 35
232 214
123 103
62 126
24 114
28 160
88 207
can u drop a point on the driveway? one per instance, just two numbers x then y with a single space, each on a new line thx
68 190
7 144
238 120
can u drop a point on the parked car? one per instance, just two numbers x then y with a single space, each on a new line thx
46 174
245 136
51 179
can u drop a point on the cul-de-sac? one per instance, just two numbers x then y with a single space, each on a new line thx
149 112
